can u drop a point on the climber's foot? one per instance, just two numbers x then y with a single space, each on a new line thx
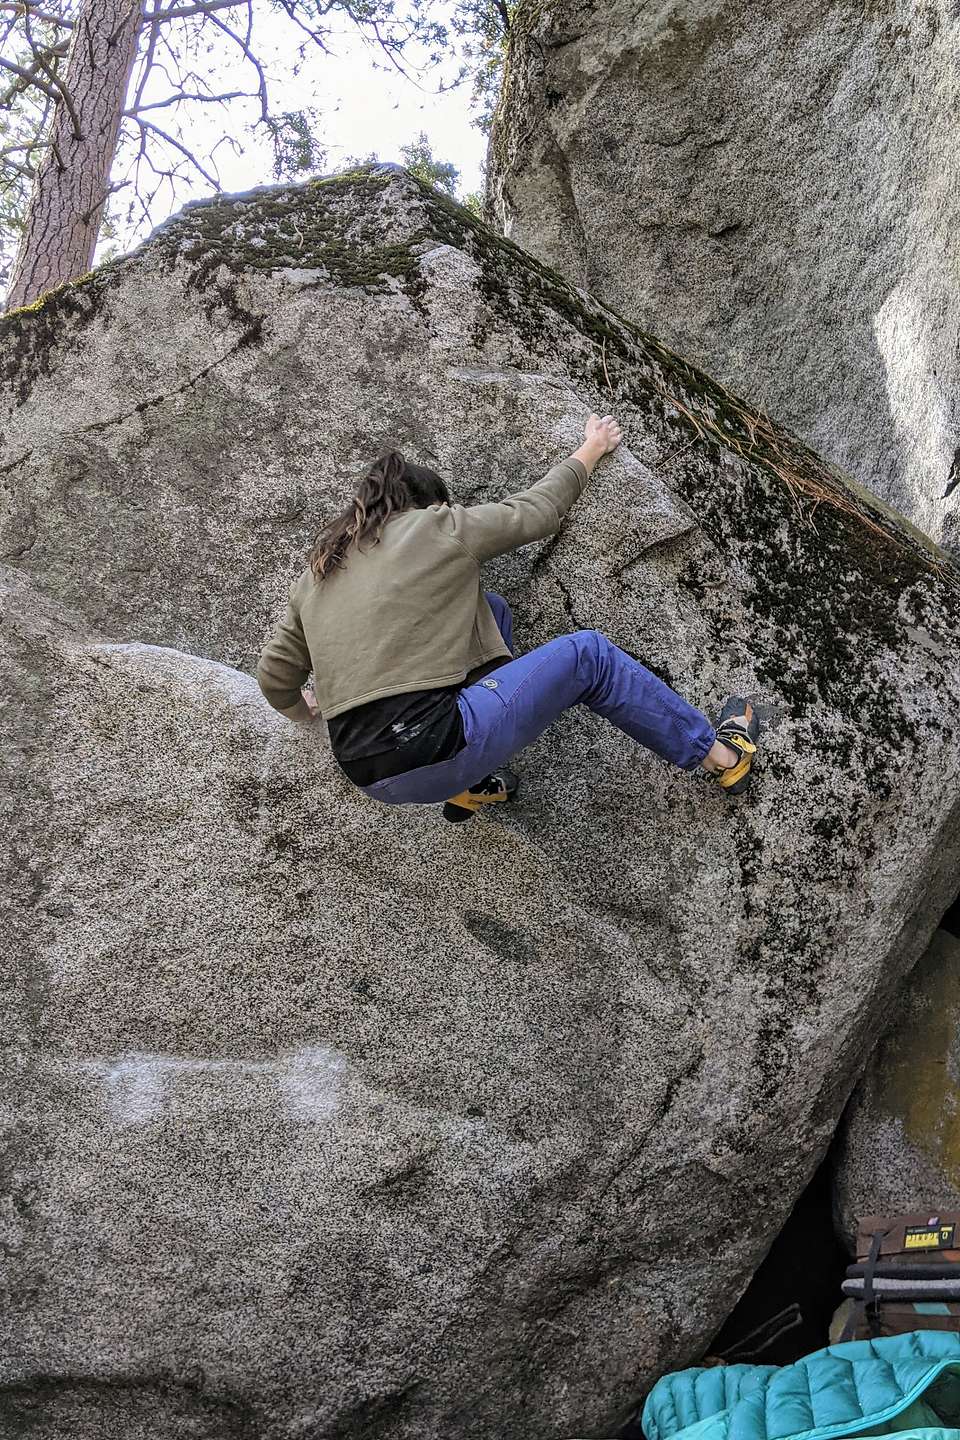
737 731
497 788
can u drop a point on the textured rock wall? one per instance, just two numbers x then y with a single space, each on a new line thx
772 189
322 1118
900 1143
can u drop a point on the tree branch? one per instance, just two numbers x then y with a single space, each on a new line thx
40 56
30 76
159 65
87 216
20 167
188 155
245 47
147 64
184 12
23 7
388 51
182 96
290 10
226 140
23 170
26 145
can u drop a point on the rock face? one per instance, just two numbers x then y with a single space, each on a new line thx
772 189
328 1119
900 1143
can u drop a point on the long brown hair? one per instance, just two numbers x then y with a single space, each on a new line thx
392 484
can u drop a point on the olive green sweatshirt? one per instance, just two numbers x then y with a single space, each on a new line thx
408 613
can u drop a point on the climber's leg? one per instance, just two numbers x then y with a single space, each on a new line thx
496 788
503 616
737 731
502 784
508 709
588 669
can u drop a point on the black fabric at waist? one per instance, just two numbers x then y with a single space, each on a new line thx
403 732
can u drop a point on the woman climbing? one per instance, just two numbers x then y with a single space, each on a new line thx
413 662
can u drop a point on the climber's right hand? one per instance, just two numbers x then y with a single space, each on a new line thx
602 433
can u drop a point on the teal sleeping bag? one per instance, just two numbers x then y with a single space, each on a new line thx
903 1385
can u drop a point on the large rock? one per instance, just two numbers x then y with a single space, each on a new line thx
900 1143
772 188
328 1119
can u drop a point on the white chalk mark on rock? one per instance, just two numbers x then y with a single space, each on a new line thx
137 1088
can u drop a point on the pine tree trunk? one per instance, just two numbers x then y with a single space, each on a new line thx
70 190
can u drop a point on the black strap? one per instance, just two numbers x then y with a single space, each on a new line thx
752 1345
865 1310
869 1272
890 1270
852 1322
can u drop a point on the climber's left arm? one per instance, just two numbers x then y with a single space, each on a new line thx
306 710
284 669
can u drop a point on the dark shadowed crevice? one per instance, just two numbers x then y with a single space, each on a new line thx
951 920
786 1309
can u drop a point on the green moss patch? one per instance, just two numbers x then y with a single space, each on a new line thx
329 224
30 335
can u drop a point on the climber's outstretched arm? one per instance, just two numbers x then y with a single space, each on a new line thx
535 513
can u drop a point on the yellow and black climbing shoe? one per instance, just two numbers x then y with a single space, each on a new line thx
738 727
497 788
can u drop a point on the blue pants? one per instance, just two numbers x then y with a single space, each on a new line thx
513 705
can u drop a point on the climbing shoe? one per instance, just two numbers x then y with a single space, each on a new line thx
497 788
740 737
